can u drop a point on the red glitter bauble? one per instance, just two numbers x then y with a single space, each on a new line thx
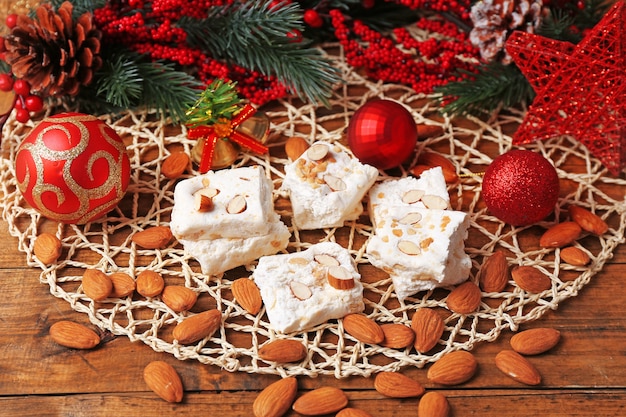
382 133
72 168
520 187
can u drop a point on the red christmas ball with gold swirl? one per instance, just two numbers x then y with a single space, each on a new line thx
72 168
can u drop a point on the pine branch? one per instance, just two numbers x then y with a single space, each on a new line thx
80 6
120 82
253 35
494 85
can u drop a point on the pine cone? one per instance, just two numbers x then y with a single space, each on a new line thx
495 20
53 53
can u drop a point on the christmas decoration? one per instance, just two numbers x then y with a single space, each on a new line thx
72 168
580 88
382 133
219 116
53 53
520 187
495 20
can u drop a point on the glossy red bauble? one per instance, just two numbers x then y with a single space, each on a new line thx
520 187
72 168
382 133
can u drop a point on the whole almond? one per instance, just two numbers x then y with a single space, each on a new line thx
352 412
428 327
156 237
247 295
276 399
517 367
397 336
150 283
396 385
295 146
453 368
494 272
535 341
465 298
162 378
324 400
74 335
175 165
575 256
433 159
588 221
283 351
96 284
123 285
178 297
197 327
560 235
363 328
531 279
425 131
433 404
47 248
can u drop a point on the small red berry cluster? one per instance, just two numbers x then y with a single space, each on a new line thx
423 65
24 102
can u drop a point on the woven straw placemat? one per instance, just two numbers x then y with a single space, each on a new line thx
106 244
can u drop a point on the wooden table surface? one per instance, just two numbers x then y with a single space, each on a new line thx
585 374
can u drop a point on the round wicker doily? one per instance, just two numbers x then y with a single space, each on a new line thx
471 145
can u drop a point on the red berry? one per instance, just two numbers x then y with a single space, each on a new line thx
313 18
3 46
295 36
22 115
21 87
6 82
11 20
33 103
368 4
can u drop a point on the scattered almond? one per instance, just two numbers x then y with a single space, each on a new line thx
495 273
428 327
340 278
397 336
237 204
575 256
283 351
162 378
465 298
363 329
175 165
409 248
588 221
535 341
295 147
425 131
433 159
96 284
352 412
276 399
419 169
149 283
197 327
156 237
433 404
300 291
334 183
396 385
434 202
412 196
74 335
324 400
247 295
559 235
178 297
531 279
453 368
47 248
317 152
123 285
324 259
517 367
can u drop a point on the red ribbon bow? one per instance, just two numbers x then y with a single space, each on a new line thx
225 128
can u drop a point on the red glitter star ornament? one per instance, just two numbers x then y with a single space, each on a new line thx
581 89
